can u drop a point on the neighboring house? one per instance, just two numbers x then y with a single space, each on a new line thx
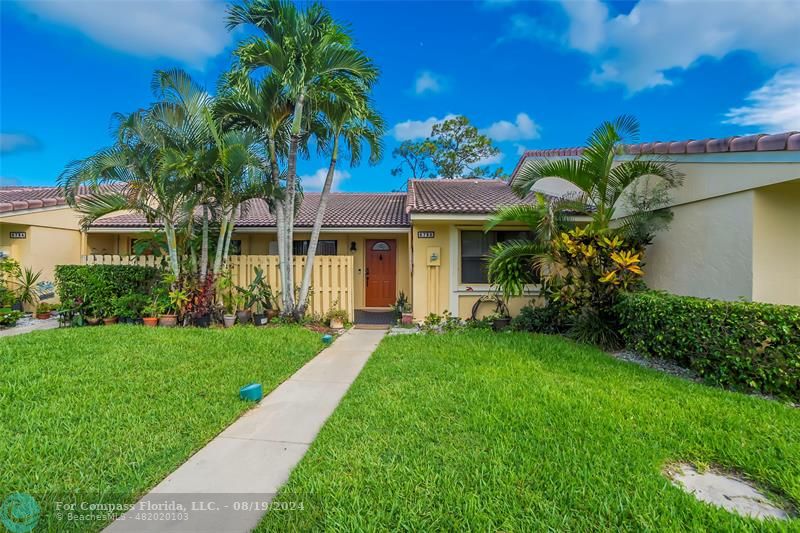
736 231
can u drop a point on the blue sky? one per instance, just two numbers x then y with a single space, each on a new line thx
529 74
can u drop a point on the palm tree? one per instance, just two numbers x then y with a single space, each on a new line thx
305 49
602 180
353 122
135 169
599 175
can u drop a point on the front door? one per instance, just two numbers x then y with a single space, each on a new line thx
379 277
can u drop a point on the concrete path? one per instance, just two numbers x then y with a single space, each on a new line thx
228 485
26 325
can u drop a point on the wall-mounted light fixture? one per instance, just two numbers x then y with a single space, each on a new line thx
352 246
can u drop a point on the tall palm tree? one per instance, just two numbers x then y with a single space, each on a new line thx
304 49
602 180
352 122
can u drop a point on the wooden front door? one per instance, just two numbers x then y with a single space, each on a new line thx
380 275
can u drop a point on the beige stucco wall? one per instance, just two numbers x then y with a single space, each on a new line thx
52 238
707 250
776 244
437 287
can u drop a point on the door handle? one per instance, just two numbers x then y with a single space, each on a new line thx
366 279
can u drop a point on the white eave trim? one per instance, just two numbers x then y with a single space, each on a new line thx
248 229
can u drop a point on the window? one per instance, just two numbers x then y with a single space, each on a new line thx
236 247
475 246
381 246
323 247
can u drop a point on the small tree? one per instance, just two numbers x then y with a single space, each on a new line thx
416 158
459 147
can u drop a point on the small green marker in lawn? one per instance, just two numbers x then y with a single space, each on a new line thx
327 338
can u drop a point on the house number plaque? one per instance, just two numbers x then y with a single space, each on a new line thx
17 234
426 234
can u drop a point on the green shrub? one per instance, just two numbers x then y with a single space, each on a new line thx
741 345
547 319
99 286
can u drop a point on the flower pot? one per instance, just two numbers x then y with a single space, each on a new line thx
43 316
271 313
168 321
337 323
243 317
407 319
260 320
499 324
93 320
150 321
110 320
228 320
202 321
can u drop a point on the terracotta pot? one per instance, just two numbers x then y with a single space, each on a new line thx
229 320
243 317
43 316
407 319
150 321
110 320
93 320
336 323
271 313
168 321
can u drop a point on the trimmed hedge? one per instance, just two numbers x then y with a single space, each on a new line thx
742 345
102 284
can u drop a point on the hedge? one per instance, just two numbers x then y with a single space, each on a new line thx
742 345
101 284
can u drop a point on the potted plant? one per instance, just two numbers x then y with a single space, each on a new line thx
407 316
201 298
92 313
243 313
150 314
171 306
335 317
43 311
500 321
110 313
259 316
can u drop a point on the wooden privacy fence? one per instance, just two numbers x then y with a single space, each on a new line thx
331 279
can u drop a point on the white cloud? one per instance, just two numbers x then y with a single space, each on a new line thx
315 181
522 128
17 142
521 149
187 31
491 160
774 107
428 81
640 48
417 129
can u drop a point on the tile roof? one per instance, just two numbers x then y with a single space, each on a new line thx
20 198
761 142
351 210
460 196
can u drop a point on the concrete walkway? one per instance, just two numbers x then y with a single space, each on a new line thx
227 486
26 325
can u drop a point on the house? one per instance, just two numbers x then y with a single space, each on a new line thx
736 232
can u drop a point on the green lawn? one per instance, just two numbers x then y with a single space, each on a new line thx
105 413
513 432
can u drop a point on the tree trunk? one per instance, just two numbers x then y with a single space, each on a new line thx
229 234
280 220
172 247
223 230
204 246
302 300
289 206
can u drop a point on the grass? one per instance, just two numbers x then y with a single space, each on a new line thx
477 431
103 414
